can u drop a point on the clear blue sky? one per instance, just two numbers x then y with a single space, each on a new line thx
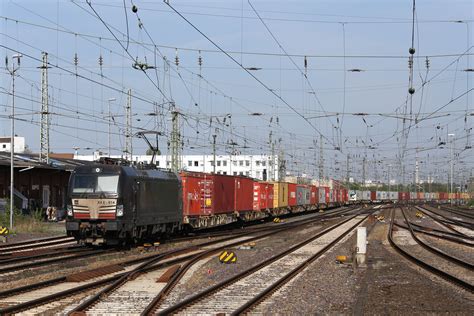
377 39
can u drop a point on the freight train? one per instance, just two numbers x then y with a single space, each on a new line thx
115 204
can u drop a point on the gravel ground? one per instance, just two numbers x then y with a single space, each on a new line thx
62 269
403 238
392 285
212 271
447 213
388 285
451 248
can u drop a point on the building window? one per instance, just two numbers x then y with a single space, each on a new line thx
257 163
218 163
190 163
257 174
212 163
235 173
224 163
241 163
234 163
247 163
196 163
241 173
157 163
263 163
224 173
247 173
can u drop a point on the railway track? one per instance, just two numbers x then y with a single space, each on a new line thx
113 295
434 250
251 286
46 295
436 233
447 223
427 266
33 261
466 214
45 243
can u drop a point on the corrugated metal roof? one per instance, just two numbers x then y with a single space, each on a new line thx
30 160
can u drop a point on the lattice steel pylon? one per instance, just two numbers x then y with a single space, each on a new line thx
321 159
128 132
175 141
45 119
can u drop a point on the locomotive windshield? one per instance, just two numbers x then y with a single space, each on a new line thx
94 183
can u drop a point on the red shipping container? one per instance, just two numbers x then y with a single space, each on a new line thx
420 195
243 193
314 195
262 195
327 195
269 189
345 196
208 194
291 194
197 191
257 196
373 195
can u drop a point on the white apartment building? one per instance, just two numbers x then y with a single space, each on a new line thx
254 166
5 144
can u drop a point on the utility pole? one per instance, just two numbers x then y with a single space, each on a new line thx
109 116
270 165
347 168
452 166
321 159
44 130
389 185
175 141
273 162
363 171
281 163
128 133
12 140
214 153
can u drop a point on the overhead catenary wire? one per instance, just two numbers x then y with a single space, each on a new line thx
246 70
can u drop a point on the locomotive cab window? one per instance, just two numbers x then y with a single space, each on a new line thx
95 183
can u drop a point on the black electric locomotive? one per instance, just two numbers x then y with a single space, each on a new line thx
113 204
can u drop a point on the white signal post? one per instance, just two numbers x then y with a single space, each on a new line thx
12 141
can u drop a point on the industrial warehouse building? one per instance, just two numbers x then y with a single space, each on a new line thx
37 185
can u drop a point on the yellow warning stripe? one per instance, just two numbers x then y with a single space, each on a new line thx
223 255
229 257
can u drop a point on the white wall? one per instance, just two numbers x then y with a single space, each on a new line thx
5 145
246 165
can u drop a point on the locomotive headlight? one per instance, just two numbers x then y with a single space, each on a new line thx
69 210
119 210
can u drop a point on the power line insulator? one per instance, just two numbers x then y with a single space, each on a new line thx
134 9
76 59
200 59
411 90
427 63
101 61
410 63
176 58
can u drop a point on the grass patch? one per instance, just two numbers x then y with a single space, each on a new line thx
32 223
